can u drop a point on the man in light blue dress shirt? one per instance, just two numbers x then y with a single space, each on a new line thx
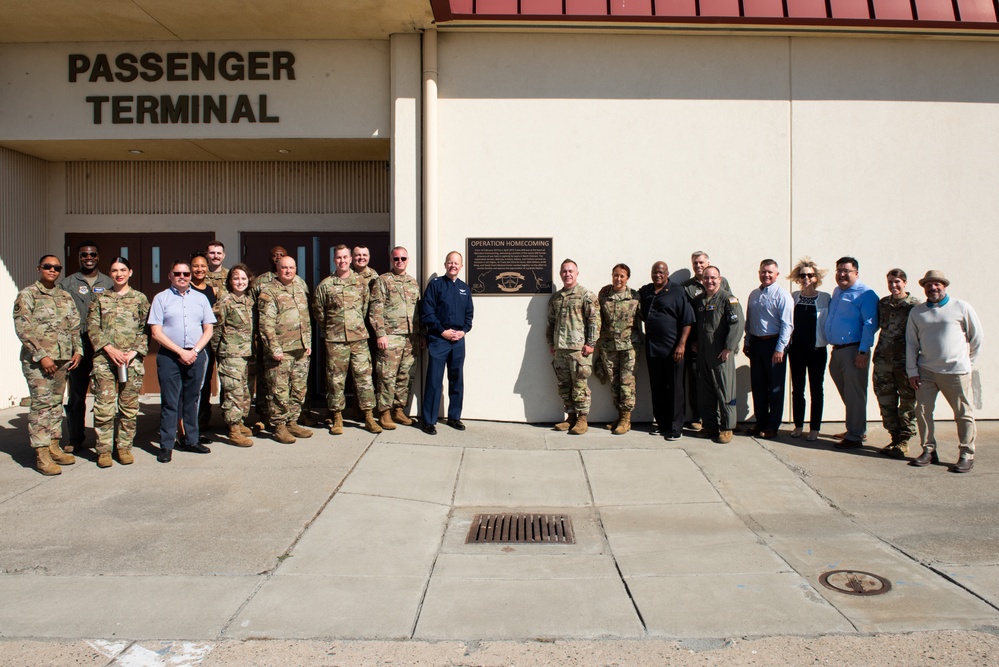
850 328
769 322
181 321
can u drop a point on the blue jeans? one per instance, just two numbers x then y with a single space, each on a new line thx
180 393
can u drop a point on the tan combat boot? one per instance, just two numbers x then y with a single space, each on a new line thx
336 424
724 437
306 419
104 460
385 419
237 437
569 422
400 417
45 464
282 435
370 424
245 430
580 427
125 456
623 423
299 431
59 456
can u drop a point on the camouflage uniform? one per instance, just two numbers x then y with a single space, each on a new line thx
48 325
896 397
259 283
720 326
233 342
620 337
393 314
283 312
216 279
573 321
692 287
368 276
118 320
340 308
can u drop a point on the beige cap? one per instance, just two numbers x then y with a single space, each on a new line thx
934 275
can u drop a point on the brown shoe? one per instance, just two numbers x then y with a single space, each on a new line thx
964 464
44 462
370 424
399 416
580 427
306 419
848 444
104 460
335 423
708 433
59 456
623 423
926 458
125 456
566 424
237 437
723 437
299 431
282 435
246 430
385 419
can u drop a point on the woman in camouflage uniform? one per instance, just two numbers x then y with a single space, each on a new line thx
234 349
116 323
620 336
48 325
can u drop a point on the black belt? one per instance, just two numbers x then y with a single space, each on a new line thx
770 337
840 347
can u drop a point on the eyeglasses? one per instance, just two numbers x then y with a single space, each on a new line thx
181 274
846 271
88 254
399 259
51 267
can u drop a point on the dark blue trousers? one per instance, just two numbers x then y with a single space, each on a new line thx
768 380
180 394
76 405
440 354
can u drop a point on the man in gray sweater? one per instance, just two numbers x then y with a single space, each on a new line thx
943 339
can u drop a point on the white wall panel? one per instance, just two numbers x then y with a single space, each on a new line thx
23 234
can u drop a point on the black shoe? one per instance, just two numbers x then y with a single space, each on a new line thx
456 424
926 458
429 429
849 444
203 439
197 449
655 431
164 455
963 465
673 435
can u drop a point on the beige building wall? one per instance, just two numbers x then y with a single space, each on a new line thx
639 148
23 218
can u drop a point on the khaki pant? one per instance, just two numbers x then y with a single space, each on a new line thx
956 388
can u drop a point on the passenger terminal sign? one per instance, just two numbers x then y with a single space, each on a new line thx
510 266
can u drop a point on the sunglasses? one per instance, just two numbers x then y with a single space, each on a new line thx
184 274
51 267
399 259
806 275
88 254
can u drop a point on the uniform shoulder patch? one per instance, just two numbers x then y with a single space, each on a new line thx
733 300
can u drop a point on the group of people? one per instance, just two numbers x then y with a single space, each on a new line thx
693 331
91 329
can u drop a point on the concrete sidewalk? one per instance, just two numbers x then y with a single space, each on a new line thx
362 537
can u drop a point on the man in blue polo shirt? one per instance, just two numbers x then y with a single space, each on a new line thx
446 313
850 328
180 320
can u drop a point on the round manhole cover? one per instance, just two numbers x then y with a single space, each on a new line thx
855 582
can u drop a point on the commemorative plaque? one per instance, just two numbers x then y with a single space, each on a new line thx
510 266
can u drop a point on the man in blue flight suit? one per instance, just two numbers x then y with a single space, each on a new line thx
446 313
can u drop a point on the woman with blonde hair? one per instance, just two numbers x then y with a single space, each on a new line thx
807 353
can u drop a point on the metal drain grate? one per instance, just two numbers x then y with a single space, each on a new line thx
521 528
855 582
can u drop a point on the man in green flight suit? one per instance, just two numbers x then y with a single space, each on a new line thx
720 326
